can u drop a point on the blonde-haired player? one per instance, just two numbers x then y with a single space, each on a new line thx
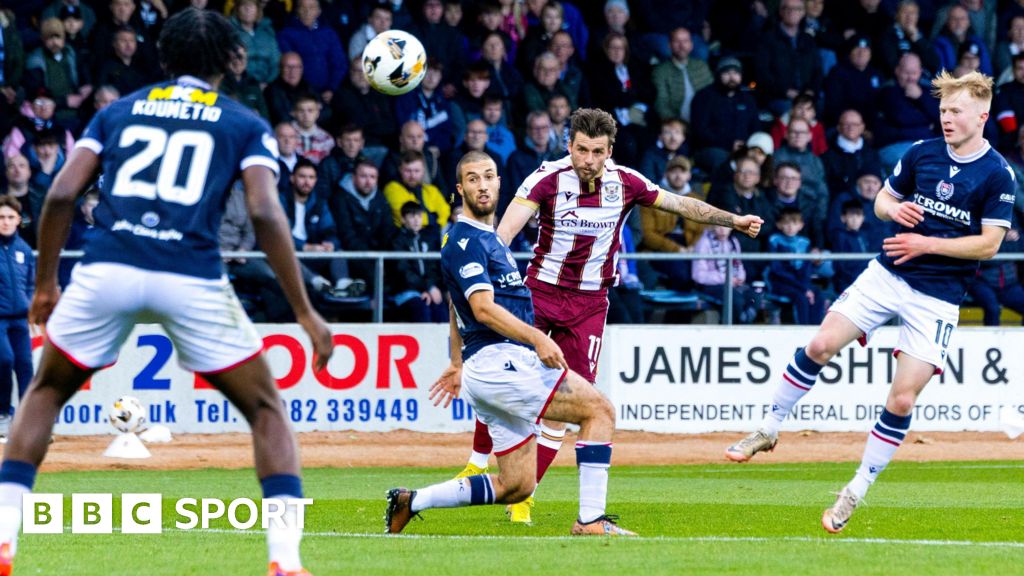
952 198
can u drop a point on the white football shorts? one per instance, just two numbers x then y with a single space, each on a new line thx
878 295
510 389
204 319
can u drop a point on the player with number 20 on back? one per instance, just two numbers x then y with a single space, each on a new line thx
169 154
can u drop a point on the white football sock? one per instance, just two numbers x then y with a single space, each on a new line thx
283 541
479 459
468 491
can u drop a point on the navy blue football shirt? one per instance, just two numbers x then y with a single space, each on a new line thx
959 194
169 154
474 258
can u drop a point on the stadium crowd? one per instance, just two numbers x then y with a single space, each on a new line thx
794 110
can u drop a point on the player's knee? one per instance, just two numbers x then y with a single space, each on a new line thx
602 412
902 403
821 348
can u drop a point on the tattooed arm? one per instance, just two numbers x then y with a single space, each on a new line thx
704 213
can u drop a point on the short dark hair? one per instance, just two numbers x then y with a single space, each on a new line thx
790 213
305 97
46 136
199 43
123 29
673 120
9 201
471 156
349 129
593 123
410 156
303 163
791 165
802 98
478 69
364 161
410 208
852 206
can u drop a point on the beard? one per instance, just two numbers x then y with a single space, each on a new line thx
477 210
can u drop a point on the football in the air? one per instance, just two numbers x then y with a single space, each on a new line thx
394 62
127 414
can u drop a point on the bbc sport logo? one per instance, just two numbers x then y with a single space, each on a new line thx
143 513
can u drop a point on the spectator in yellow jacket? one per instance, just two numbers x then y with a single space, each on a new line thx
411 188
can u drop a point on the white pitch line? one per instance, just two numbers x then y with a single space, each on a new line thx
753 539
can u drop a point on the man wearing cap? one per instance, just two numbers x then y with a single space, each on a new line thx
677 80
853 83
724 116
63 8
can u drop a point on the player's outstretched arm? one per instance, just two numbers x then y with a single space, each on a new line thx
704 213
982 246
54 226
516 216
275 239
489 313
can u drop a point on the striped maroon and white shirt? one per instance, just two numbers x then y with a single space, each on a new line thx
578 243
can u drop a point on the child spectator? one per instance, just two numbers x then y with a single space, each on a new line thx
709 275
82 227
792 278
414 282
802 108
315 143
500 139
17 282
469 104
850 240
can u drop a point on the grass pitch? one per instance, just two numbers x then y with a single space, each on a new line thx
928 518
